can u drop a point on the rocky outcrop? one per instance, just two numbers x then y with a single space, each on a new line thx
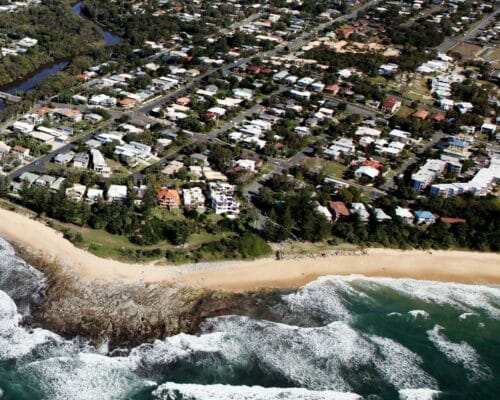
127 315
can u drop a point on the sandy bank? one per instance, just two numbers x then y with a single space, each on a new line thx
452 266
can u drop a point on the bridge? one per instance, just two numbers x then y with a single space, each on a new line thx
10 97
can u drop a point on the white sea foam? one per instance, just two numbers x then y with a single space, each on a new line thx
84 376
167 352
394 314
6 249
317 358
466 315
19 280
460 353
400 366
323 296
418 314
418 394
173 391
15 341
468 298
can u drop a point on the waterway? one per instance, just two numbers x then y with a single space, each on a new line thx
30 82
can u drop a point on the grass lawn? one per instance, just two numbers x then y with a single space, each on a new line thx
330 168
168 215
405 111
118 247
106 245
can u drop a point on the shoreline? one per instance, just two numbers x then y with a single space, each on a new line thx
239 276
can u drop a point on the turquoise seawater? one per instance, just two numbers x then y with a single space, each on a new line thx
337 338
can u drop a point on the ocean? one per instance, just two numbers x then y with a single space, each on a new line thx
338 338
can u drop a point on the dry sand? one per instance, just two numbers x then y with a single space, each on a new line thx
448 266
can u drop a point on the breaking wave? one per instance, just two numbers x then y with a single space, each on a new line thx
174 391
460 353
418 394
347 341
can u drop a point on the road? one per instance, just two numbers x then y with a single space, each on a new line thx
39 165
432 9
354 108
470 34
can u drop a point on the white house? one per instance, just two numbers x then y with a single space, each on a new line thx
117 193
342 146
368 171
405 214
99 163
361 211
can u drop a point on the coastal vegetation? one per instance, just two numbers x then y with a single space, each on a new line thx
133 233
293 215
58 33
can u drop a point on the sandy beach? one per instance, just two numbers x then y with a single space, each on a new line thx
448 266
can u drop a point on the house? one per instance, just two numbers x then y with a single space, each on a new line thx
168 198
332 89
318 87
345 73
302 131
391 105
381 216
194 199
388 69
69 114
29 178
446 104
76 192
421 114
405 214
489 129
342 146
360 210
425 217
245 94
64 158
457 148
367 131
245 165
324 211
366 171
301 95
344 32
217 111
127 102
172 168
4 149
93 118
99 163
22 127
102 100
224 204
132 153
223 200
57 184
93 195
427 174
117 193
400 136
20 152
81 160
464 107
339 210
